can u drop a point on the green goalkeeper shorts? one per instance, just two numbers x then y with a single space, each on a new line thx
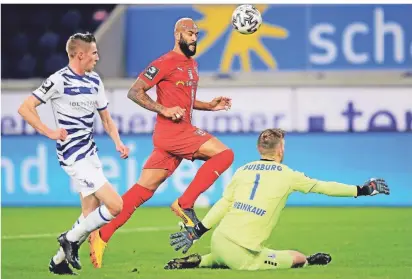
227 253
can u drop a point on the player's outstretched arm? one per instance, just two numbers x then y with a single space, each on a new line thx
371 187
138 94
28 110
216 213
111 129
218 103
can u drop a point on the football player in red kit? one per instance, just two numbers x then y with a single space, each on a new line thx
176 77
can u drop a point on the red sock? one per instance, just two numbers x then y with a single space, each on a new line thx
132 199
208 173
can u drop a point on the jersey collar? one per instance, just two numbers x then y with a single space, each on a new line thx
77 75
180 56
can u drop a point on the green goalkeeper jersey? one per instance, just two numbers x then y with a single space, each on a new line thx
251 204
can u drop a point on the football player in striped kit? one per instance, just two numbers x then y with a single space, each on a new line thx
76 93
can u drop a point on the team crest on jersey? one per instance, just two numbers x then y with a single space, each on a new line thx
186 83
151 72
200 132
46 86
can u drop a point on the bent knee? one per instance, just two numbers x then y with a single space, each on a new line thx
151 179
227 156
299 259
150 185
230 155
116 206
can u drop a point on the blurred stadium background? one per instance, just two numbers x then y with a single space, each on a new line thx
338 78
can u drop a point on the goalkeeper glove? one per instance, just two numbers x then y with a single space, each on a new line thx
186 238
373 187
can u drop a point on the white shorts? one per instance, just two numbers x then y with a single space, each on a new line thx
87 175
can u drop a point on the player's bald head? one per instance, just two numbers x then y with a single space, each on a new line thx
186 32
269 139
185 24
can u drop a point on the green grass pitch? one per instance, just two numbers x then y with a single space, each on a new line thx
364 243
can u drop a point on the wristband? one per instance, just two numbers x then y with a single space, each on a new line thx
200 229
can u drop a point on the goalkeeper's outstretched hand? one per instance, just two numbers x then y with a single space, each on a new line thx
373 187
184 239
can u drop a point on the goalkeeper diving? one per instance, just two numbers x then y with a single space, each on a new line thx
250 208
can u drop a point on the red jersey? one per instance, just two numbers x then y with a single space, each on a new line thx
176 77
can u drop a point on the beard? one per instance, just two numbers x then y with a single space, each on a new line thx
184 47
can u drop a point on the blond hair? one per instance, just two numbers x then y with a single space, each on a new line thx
270 138
75 40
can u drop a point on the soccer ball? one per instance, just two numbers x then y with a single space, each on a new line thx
246 19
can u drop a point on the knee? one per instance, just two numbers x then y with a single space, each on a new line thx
151 179
116 206
151 183
89 204
226 155
88 210
230 155
151 186
299 259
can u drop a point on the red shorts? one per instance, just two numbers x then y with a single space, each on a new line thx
170 147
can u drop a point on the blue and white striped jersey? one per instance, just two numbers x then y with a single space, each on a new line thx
74 100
